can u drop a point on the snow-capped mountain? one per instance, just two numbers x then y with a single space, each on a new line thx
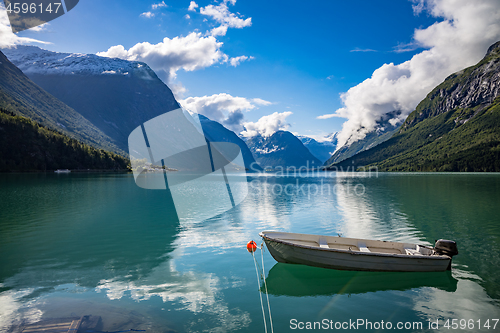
322 150
383 132
20 95
34 60
282 149
114 95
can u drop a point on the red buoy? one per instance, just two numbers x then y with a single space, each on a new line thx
251 246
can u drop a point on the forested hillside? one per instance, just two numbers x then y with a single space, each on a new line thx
29 146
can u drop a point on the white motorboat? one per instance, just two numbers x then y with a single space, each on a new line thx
358 254
62 171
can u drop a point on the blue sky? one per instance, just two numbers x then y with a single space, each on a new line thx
301 55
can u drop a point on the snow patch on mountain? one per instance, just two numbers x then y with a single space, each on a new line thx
34 60
266 150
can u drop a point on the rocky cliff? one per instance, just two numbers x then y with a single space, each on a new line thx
474 86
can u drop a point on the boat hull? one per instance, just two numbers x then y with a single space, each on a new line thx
353 260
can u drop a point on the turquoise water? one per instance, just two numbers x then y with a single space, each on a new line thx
79 244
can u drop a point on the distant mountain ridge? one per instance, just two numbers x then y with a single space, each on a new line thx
321 150
455 128
281 149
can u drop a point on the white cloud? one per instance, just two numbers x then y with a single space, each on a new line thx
223 108
260 101
193 52
192 6
187 17
154 6
189 53
41 27
328 116
237 60
178 90
219 31
267 125
8 38
159 5
147 15
222 15
357 49
461 38
418 6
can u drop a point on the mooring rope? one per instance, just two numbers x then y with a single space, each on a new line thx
260 295
265 286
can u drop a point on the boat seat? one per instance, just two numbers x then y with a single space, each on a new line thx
362 247
412 252
323 243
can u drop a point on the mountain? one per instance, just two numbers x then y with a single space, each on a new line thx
321 150
215 132
455 128
282 149
22 96
28 146
115 95
383 132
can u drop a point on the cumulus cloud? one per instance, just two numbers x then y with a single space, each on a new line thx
267 125
192 6
189 53
223 108
418 6
221 14
8 38
147 15
461 38
192 52
219 31
154 6
159 5
237 60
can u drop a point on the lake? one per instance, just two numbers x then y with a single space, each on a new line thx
96 244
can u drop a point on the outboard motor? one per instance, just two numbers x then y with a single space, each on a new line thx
446 247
